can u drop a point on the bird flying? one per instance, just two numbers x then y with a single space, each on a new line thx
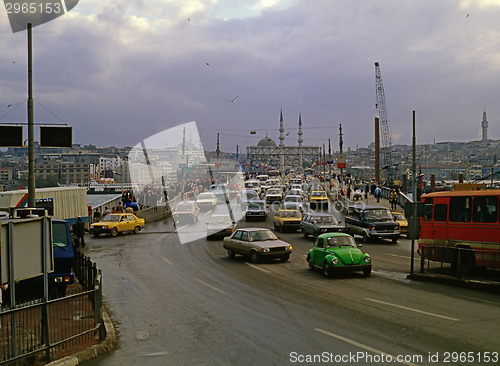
232 100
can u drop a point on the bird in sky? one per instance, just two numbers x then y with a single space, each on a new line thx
8 106
467 15
232 100
207 63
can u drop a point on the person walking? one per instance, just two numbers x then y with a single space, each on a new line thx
378 193
393 197
79 230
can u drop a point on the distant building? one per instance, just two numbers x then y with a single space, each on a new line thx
484 125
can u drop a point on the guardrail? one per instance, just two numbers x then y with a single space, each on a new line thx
455 261
43 329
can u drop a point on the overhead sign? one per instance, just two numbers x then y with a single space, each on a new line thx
56 136
341 161
11 136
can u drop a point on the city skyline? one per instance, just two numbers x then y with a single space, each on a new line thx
120 73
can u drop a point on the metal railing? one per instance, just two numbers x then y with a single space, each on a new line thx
45 329
458 261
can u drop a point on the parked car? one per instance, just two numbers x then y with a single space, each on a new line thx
335 252
401 219
256 209
207 200
115 224
287 219
318 199
316 223
257 243
186 211
372 222
220 226
293 202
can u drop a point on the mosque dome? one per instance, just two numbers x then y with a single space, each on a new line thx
266 141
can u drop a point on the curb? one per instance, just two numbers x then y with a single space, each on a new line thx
487 286
97 350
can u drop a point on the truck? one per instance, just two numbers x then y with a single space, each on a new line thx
23 237
62 202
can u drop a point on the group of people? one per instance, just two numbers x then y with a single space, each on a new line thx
354 187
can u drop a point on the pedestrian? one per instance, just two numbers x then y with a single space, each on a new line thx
119 208
378 193
393 197
89 208
79 230
106 211
2 289
349 191
367 189
97 215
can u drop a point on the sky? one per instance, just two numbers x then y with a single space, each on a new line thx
121 71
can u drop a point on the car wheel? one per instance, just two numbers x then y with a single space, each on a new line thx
394 240
304 233
367 271
285 257
96 234
230 253
137 229
114 231
365 237
310 263
254 258
326 270
280 228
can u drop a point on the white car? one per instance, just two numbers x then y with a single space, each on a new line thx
293 202
207 200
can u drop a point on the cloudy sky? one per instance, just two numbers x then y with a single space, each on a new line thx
120 71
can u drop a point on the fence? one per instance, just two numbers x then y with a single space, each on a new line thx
459 262
45 329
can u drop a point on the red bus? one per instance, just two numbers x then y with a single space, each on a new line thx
461 228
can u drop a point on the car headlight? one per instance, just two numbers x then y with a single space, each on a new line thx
288 247
335 260
367 259
265 250
104 226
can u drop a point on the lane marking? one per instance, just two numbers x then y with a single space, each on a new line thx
182 227
399 256
362 346
166 260
257 267
210 286
209 211
412 309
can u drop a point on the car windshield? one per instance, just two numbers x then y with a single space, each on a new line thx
399 217
291 213
273 191
206 196
220 220
256 205
184 207
111 218
378 214
262 235
60 239
319 194
292 199
249 195
329 220
340 241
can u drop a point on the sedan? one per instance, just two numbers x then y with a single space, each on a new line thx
257 243
336 252
114 224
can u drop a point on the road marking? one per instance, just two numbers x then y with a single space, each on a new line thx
210 286
360 345
411 309
166 260
257 267
399 256
182 227
209 211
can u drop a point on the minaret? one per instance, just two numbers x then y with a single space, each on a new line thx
300 142
484 125
282 142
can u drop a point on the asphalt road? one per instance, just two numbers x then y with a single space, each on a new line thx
188 304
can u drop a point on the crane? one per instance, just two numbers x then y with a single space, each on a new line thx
386 147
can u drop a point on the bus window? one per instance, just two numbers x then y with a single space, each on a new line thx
460 209
440 212
428 205
485 209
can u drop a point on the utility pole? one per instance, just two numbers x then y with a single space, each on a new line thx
414 179
329 165
31 124
184 157
341 144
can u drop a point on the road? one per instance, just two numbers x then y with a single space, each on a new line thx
189 304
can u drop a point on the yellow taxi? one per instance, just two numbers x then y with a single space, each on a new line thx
401 219
285 219
318 199
114 224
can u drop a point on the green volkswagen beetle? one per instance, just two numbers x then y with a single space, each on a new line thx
334 252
